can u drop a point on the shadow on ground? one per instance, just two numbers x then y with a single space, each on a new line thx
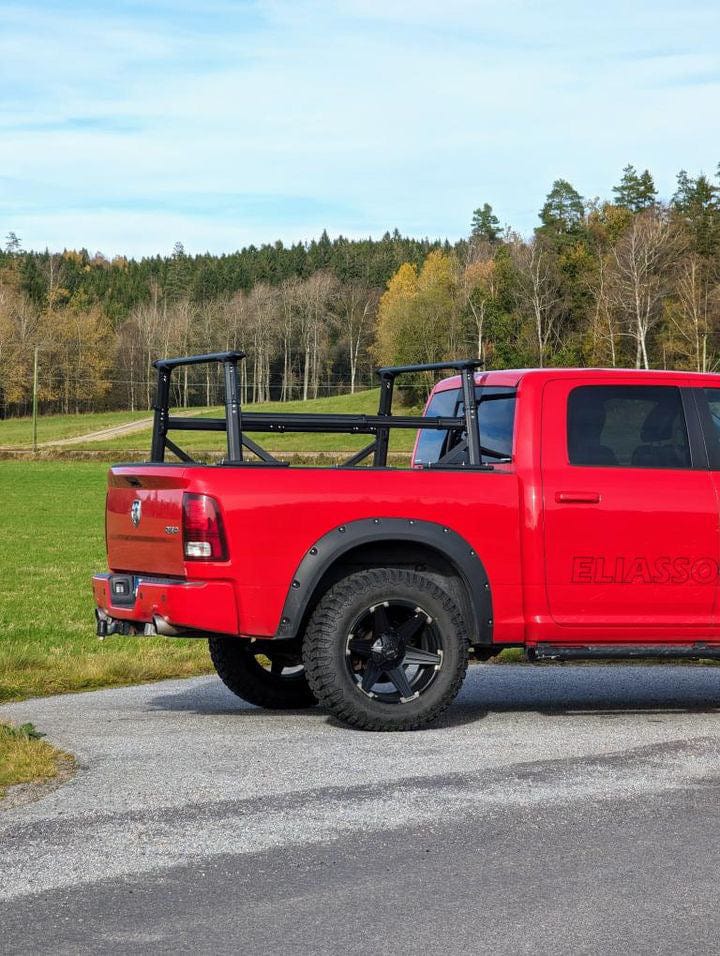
560 689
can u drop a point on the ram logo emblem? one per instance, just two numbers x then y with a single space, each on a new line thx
136 512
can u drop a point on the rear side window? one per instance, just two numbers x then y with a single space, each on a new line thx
712 426
496 416
431 443
627 426
713 439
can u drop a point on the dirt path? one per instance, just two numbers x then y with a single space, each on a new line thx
102 434
115 431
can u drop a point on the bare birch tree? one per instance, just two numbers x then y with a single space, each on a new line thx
603 321
355 305
314 296
263 312
696 310
538 292
640 277
478 290
289 309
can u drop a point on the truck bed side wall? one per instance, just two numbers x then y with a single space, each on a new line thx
274 516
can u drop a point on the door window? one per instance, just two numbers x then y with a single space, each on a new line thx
627 426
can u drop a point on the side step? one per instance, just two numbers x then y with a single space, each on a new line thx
587 652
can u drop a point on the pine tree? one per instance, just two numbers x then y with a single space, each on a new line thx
635 192
485 224
681 198
697 203
563 212
693 195
12 243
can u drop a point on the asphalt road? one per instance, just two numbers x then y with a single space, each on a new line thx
556 810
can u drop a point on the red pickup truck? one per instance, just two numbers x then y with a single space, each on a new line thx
573 513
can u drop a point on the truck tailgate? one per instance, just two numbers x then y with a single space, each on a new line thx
144 520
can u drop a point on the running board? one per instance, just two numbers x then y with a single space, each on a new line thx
587 652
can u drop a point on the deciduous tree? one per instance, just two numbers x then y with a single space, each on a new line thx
538 292
640 280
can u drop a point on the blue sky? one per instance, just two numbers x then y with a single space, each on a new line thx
128 126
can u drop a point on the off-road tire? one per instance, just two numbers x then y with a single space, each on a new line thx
241 673
324 649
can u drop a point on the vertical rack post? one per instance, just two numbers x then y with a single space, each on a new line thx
162 414
382 440
232 411
471 416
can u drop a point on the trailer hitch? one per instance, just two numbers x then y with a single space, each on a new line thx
105 625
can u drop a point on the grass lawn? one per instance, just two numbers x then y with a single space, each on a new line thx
53 539
53 524
24 757
17 432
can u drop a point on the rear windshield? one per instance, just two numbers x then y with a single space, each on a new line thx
496 414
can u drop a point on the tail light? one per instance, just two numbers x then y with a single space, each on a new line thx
203 532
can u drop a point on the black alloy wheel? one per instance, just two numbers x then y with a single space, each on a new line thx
387 648
394 651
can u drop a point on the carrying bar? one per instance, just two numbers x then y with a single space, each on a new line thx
458 365
327 424
170 364
466 368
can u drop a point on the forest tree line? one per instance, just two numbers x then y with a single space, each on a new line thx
627 281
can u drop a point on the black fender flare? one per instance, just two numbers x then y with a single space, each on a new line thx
318 560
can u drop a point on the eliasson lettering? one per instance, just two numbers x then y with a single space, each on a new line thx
587 569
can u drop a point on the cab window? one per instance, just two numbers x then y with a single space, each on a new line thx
628 426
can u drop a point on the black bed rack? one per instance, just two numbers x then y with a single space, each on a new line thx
468 453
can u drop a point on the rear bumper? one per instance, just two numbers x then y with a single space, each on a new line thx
167 606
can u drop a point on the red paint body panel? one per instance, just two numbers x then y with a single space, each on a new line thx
631 524
273 516
148 548
200 605
530 522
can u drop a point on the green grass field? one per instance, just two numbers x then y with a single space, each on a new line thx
53 539
18 432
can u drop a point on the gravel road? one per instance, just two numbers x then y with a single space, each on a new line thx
557 809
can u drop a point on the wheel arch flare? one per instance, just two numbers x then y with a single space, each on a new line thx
389 541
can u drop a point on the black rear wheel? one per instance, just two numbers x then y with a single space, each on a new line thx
386 649
272 678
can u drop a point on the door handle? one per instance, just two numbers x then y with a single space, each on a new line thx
577 497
